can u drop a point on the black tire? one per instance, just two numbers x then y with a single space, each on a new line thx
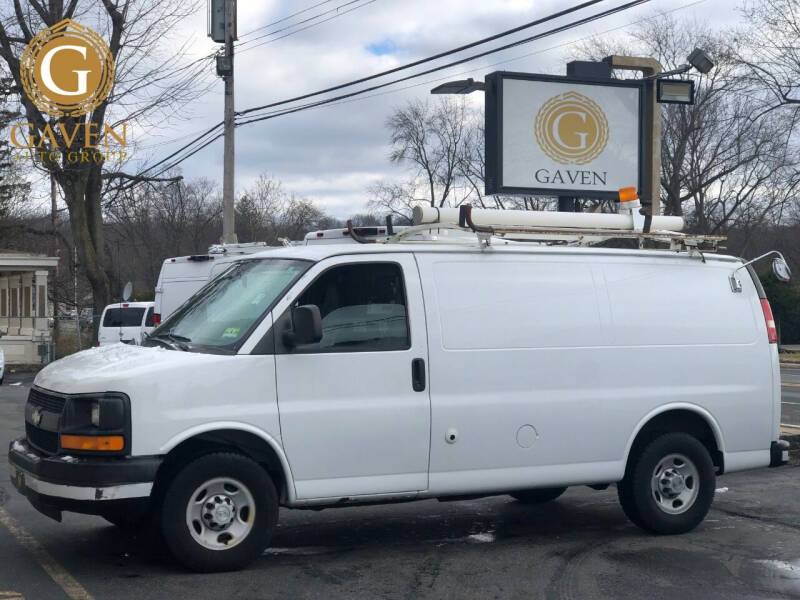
178 494
641 503
538 495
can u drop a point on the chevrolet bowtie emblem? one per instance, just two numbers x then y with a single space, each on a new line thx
36 417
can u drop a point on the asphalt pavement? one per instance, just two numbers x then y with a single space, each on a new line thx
580 546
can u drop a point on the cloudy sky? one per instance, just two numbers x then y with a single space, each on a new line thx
331 154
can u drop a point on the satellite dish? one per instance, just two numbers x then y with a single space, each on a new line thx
126 293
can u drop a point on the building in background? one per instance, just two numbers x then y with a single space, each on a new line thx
24 308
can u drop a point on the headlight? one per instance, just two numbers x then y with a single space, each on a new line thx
96 423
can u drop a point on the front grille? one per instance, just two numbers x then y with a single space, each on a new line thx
47 401
46 441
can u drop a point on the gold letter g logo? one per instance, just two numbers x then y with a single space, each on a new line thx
47 75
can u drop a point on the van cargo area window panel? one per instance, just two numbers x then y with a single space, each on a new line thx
563 136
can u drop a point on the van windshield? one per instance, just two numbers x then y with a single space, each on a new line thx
220 316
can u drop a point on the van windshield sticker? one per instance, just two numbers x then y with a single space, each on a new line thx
231 332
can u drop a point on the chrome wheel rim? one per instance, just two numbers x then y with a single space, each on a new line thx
220 513
675 484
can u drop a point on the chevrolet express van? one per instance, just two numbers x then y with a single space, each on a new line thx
336 375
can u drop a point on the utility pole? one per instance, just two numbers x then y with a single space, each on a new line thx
228 214
54 231
75 292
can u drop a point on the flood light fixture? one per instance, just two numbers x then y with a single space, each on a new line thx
675 91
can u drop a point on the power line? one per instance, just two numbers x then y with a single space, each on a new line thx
381 74
421 61
278 113
286 18
472 57
241 46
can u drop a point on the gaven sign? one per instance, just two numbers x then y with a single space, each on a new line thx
552 136
67 71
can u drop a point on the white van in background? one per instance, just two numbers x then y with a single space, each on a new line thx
125 322
182 276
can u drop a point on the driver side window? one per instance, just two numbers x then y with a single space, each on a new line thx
363 309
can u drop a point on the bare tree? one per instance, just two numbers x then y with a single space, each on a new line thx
431 139
770 48
266 213
720 156
152 78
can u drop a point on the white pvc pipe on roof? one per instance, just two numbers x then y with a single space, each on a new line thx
537 218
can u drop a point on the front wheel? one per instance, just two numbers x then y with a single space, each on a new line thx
219 512
670 485
538 495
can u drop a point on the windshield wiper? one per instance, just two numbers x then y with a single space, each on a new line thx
175 340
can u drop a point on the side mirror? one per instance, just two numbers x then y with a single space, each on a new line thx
307 326
781 270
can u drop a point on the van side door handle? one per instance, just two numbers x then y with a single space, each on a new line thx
418 374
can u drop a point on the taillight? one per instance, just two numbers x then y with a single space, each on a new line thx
772 331
156 319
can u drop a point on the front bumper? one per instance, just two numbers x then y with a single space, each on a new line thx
778 453
92 485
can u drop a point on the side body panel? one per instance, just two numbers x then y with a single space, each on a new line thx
547 365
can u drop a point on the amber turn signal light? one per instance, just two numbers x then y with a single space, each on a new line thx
100 443
628 194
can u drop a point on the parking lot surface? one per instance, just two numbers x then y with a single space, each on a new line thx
580 546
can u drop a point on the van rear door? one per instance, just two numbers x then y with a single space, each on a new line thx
354 407
121 323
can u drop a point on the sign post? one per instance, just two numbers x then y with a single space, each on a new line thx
563 136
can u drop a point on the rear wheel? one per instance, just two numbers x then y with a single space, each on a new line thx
538 495
670 486
219 512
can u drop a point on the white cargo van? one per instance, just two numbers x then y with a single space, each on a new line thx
337 375
125 322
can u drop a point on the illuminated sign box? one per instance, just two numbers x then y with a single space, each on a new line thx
562 136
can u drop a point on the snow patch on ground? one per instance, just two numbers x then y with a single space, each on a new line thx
299 551
482 538
790 569
721 490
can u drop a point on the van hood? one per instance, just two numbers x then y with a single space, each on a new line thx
115 367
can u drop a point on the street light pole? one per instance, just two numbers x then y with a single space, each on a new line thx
650 68
228 214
